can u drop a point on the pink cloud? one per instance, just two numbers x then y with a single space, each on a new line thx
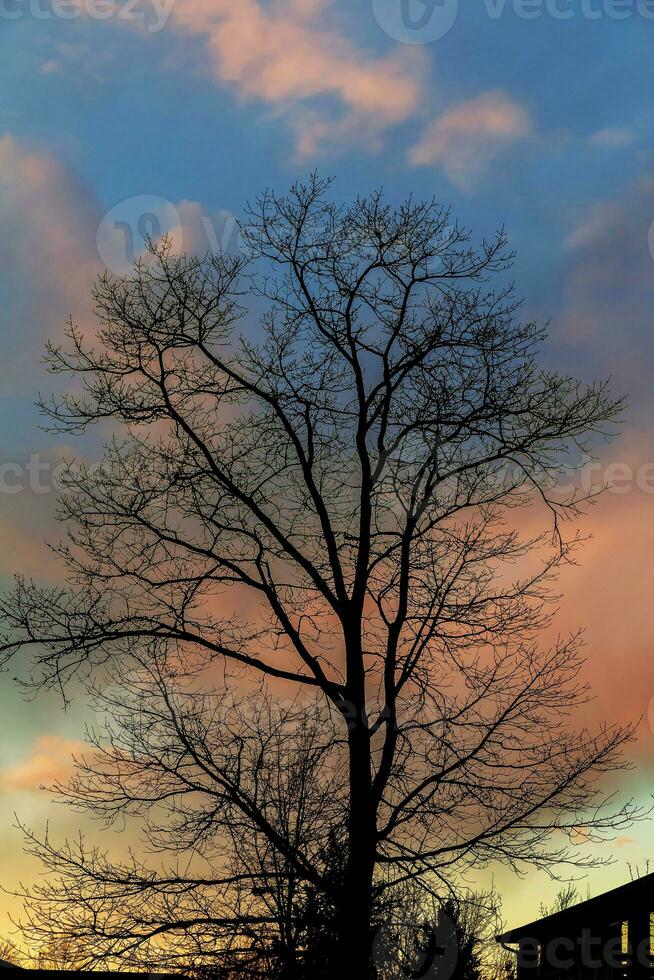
55 208
50 67
49 253
608 591
23 549
48 261
47 257
466 137
283 54
50 761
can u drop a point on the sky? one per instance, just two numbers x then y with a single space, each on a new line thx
120 119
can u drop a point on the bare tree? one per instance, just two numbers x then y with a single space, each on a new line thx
422 935
213 780
10 955
332 502
567 896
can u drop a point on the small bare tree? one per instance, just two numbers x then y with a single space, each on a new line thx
331 502
10 955
214 780
567 896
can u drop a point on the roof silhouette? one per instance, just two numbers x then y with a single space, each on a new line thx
616 903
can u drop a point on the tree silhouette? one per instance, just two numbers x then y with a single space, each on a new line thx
335 502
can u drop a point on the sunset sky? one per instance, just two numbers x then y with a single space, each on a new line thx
167 115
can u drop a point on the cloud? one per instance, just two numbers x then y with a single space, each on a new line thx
23 549
613 137
468 136
609 595
606 326
50 252
79 60
283 55
608 315
47 259
591 229
50 67
50 761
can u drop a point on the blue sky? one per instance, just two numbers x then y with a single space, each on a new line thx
544 123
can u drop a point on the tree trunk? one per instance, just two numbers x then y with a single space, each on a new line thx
355 932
